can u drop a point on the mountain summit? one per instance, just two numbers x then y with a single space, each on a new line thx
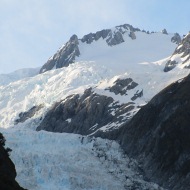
112 44
103 113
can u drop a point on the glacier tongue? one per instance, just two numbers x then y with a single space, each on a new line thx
53 161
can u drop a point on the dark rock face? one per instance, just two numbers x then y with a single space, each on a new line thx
138 94
67 54
164 31
122 86
64 56
23 116
132 35
85 115
7 171
184 49
176 38
115 38
170 65
89 38
159 137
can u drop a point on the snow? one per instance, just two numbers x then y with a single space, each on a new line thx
146 48
5 79
47 89
66 161
68 120
56 85
60 161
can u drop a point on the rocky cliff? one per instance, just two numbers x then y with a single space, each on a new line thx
7 169
159 136
181 55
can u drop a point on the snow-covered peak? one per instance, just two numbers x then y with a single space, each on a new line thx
132 45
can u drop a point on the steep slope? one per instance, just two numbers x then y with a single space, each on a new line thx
7 170
159 136
92 112
5 79
181 55
123 44
115 73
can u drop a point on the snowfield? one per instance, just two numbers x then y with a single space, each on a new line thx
18 75
53 86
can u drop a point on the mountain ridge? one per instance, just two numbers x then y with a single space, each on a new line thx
69 52
112 85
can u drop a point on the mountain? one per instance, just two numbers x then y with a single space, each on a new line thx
124 43
110 84
181 55
158 135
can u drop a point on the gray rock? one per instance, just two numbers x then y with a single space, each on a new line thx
89 38
115 38
176 38
128 27
158 136
170 65
85 114
164 31
132 35
121 86
64 56
137 95
23 116
184 49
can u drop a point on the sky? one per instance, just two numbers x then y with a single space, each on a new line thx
32 30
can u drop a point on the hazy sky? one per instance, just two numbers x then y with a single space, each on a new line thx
32 30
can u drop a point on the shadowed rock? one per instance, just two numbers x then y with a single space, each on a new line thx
64 56
132 35
170 65
176 38
121 86
86 114
184 49
159 137
7 170
164 31
23 116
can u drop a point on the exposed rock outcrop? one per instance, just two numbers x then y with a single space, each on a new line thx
115 38
64 56
170 65
89 38
176 38
121 86
132 35
159 137
164 31
86 114
23 116
7 170
68 53
181 54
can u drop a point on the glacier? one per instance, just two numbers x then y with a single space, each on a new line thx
46 160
